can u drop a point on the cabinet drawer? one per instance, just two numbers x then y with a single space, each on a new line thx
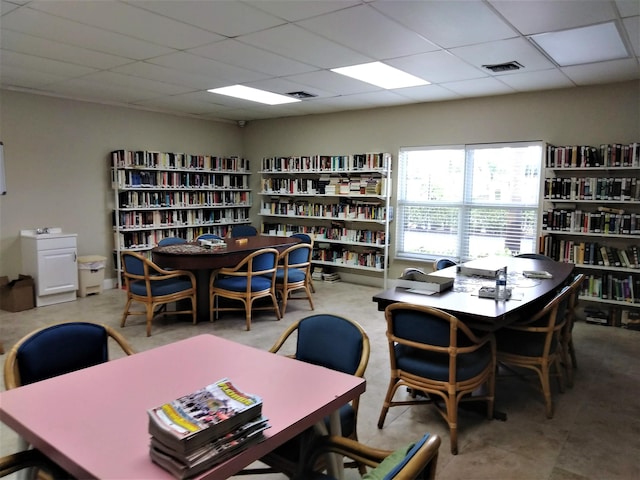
55 242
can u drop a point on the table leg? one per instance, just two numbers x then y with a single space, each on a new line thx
202 294
335 462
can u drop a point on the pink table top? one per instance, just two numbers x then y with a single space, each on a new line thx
93 422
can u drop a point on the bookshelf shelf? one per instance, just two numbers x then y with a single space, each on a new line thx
343 202
591 217
159 195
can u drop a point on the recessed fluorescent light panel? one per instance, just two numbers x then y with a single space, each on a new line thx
253 94
596 43
381 75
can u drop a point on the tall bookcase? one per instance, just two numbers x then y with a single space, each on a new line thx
592 219
341 201
159 195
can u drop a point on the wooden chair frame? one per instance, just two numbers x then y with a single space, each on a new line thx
452 391
153 273
287 287
247 297
12 369
566 338
31 459
421 466
551 354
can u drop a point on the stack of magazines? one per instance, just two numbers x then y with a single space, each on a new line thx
197 431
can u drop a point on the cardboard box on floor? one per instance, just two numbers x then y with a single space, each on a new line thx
18 294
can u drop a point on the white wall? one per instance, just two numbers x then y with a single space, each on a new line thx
57 151
57 164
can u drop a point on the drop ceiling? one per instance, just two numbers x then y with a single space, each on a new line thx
163 55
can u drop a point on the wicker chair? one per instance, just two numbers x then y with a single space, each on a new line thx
243 231
294 274
251 279
153 286
31 460
534 344
566 335
413 462
434 353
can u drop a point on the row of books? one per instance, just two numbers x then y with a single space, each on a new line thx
336 232
186 180
590 253
320 186
581 221
584 156
133 220
147 239
588 188
354 210
185 161
342 256
199 430
171 199
610 286
624 317
327 163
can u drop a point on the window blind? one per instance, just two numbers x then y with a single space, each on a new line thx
468 201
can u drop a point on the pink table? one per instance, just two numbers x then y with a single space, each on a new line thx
93 422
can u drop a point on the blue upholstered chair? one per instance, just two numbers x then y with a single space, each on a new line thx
171 241
535 256
294 274
57 349
306 238
333 342
534 344
243 231
444 263
251 279
153 286
434 353
417 461
209 236
569 361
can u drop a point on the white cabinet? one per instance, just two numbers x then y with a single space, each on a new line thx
51 259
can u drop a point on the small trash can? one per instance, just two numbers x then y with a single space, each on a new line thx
90 274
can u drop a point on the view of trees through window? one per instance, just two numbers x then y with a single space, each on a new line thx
470 201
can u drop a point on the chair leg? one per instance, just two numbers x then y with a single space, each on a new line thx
543 373
451 404
149 318
126 312
387 401
572 352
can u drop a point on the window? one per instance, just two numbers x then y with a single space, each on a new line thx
468 201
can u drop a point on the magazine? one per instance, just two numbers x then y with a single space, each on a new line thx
197 418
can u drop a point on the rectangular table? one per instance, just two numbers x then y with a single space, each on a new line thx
484 313
93 422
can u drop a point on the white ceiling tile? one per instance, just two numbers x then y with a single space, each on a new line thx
604 72
437 67
236 53
15 76
82 89
428 93
332 82
205 66
6 7
228 18
129 20
188 103
129 81
47 26
501 51
170 75
365 30
632 25
39 47
537 16
479 87
538 80
284 86
293 11
296 43
44 65
448 24
628 8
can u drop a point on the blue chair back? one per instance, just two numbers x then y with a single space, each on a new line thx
444 263
171 241
304 238
243 231
133 265
422 327
209 236
61 349
330 341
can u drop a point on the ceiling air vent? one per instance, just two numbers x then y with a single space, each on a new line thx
301 95
504 67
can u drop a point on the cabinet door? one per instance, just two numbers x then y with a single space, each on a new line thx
57 271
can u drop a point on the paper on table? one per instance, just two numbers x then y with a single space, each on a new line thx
537 274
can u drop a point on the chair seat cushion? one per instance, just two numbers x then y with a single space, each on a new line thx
239 284
295 275
347 420
528 344
161 287
436 365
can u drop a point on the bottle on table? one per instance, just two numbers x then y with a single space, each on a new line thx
501 284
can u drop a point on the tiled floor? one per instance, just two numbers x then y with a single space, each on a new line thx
594 435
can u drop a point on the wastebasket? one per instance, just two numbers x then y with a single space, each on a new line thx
90 274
